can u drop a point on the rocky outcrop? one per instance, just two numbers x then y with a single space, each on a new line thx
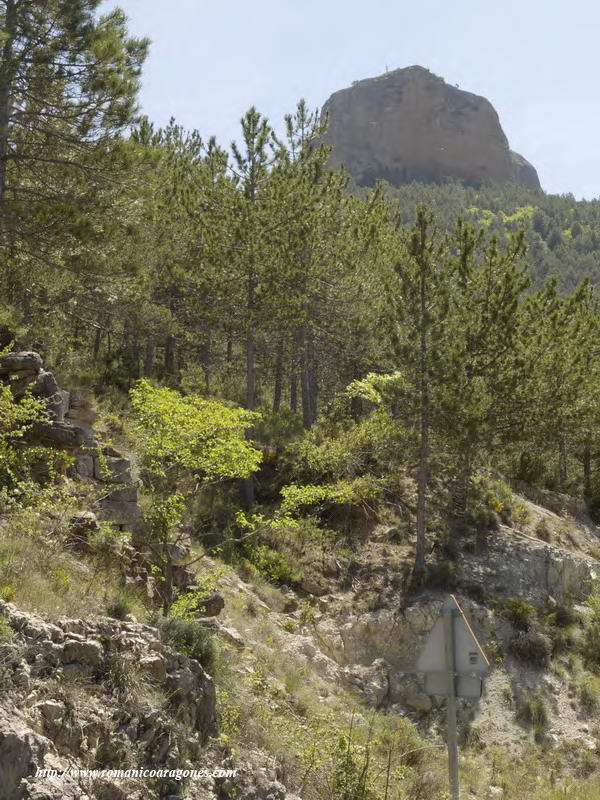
515 565
409 125
42 726
69 428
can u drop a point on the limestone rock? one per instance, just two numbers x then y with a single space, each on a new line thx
371 681
45 385
16 362
21 752
87 652
57 434
409 125
155 666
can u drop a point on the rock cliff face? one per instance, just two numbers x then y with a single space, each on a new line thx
409 125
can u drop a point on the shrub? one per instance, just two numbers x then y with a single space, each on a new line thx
534 710
533 647
191 638
543 530
271 564
531 469
490 501
121 675
588 691
520 613
443 574
563 616
119 607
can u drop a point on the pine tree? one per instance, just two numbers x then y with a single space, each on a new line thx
68 84
420 302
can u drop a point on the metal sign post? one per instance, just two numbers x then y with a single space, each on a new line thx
454 665
451 704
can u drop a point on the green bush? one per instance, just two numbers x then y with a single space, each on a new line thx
271 564
531 469
119 607
490 501
191 638
520 613
6 631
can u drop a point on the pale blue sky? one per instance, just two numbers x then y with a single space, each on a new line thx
537 61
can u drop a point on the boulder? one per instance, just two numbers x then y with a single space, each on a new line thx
22 361
21 752
86 652
313 586
410 125
371 681
154 666
45 385
56 406
57 434
112 470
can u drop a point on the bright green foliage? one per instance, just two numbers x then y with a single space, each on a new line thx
356 492
16 461
183 442
204 437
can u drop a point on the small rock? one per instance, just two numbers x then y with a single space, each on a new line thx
418 700
312 586
51 710
232 636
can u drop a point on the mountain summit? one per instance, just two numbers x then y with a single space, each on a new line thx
410 125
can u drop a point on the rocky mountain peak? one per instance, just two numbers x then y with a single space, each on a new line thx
409 124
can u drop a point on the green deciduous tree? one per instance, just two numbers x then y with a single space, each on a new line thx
184 442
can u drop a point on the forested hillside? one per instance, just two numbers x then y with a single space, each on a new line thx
327 397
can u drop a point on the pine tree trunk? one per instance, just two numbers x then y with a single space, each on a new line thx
424 424
305 390
278 384
149 357
293 393
5 96
97 343
307 378
170 355
207 361
562 462
312 377
248 483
